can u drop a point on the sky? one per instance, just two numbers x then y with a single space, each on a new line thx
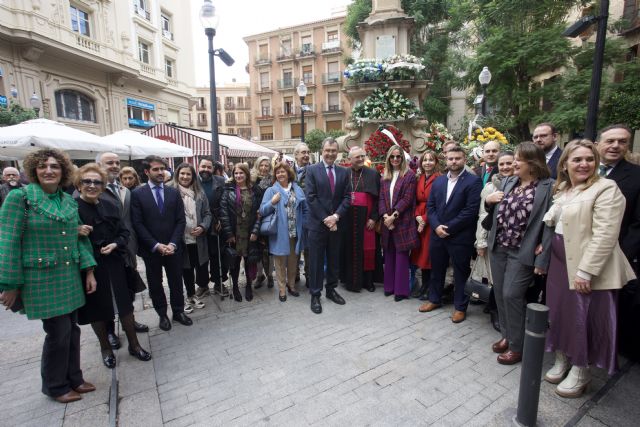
241 18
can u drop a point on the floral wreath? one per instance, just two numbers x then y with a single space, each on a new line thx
379 143
384 103
476 139
437 135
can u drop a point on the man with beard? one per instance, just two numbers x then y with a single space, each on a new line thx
359 247
10 181
212 184
545 136
301 155
452 213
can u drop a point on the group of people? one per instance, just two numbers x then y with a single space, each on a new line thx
541 222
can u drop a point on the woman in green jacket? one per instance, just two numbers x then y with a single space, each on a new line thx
41 256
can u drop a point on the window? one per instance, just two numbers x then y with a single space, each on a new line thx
265 105
230 119
334 101
229 102
333 125
308 101
295 130
264 81
333 72
231 131
141 8
202 104
244 133
169 67
285 46
288 106
202 119
166 26
307 74
140 116
305 45
143 51
266 133
287 78
244 118
79 21
263 52
332 35
75 106
240 102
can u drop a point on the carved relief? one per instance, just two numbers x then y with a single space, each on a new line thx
32 53
418 135
351 139
125 40
36 5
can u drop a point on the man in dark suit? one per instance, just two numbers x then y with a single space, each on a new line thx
301 155
613 145
159 220
328 192
490 152
452 210
545 136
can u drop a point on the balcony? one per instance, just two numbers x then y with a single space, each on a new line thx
264 114
309 110
202 122
87 43
167 35
201 106
264 87
229 106
287 111
141 12
285 55
287 84
147 69
331 47
262 61
307 50
332 78
309 80
336 108
242 107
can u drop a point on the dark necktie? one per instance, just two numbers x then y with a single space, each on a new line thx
603 169
159 198
114 189
332 180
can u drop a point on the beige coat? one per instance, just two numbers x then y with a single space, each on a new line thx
591 224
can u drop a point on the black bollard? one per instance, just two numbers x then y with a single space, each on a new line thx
536 325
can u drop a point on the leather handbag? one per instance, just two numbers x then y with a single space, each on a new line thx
475 289
269 224
230 254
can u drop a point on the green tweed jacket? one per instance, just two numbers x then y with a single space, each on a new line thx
45 262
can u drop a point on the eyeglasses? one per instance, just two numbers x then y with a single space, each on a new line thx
90 182
396 157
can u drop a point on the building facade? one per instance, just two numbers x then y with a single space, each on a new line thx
233 106
278 60
100 66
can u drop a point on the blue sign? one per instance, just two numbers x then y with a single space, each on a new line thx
3 101
141 123
140 104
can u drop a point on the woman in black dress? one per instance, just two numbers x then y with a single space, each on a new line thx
109 237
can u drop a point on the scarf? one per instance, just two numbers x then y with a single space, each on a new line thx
189 201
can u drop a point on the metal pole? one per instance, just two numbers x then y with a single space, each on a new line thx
301 119
536 325
484 101
596 75
215 147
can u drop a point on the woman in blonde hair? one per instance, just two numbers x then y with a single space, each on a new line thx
399 234
261 176
586 269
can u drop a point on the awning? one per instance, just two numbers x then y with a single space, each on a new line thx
201 147
236 146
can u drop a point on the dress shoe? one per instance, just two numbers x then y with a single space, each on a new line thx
270 282
293 292
316 307
282 298
85 387
500 346
458 316
68 397
335 297
114 341
400 298
415 292
370 287
559 369
387 293
575 384
495 320
183 319
428 306
236 294
248 292
140 354
260 280
109 359
509 358
165 324
140 328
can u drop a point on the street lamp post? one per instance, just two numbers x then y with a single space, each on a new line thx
35 103
596 76
485 79
209 21
302 93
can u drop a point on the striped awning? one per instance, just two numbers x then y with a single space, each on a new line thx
201 146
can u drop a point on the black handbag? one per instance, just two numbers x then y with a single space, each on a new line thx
134 281
230 254
477 290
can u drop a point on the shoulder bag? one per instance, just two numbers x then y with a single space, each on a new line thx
477 290
269 224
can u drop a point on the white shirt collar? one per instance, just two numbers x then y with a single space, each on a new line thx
550 153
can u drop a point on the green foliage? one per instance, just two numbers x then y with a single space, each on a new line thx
623 103
314 139
15 114
357 12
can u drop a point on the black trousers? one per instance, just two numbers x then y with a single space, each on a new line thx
60 363
323 245
173 268
201 276
217 263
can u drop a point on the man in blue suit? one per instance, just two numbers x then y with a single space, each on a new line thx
545 136
328 192
158 217
452 210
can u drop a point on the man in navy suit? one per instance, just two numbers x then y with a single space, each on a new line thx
158 217
328 192
545 136
452 210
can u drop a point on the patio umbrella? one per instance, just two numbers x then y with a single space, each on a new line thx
19 140
140 146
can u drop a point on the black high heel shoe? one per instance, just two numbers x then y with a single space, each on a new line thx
109 359
282 298
140 354
236 294
293 292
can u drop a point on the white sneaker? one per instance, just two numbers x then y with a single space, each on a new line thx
575 384
187 307
558 370
195 302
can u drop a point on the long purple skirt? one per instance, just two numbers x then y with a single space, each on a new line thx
584 327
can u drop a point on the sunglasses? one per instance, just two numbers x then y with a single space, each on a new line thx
394 157
89 182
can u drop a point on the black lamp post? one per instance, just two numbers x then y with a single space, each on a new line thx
302 93
35 103
485 79
209 21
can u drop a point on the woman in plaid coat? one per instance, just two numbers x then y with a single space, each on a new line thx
41 257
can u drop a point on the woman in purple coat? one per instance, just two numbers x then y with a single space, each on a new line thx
399 235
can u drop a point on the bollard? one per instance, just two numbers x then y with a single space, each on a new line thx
536 325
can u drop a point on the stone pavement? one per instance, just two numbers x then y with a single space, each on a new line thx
371 362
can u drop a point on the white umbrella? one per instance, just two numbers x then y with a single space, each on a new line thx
140 146
19 140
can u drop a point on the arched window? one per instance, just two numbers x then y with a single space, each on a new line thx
75 106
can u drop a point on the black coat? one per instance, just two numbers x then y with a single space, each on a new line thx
627 176
228 210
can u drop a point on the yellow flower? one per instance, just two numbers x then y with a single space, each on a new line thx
481 138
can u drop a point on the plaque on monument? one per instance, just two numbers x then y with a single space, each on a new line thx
385 46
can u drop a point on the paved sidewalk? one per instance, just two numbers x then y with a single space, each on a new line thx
371 362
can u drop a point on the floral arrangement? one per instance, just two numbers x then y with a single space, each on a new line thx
378 143
364 70
477 138
436 136
384 104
